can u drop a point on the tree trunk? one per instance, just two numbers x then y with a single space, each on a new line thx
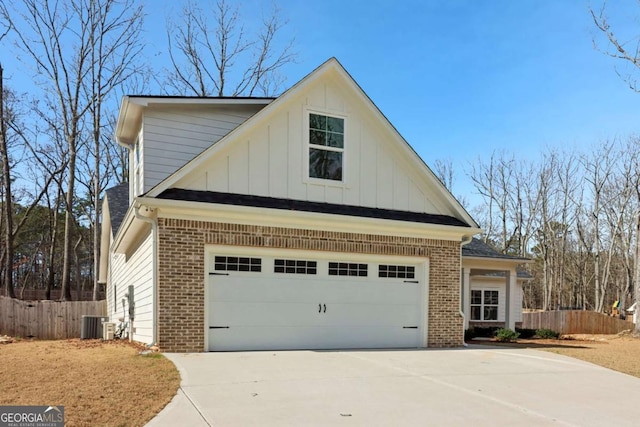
68 225
8 208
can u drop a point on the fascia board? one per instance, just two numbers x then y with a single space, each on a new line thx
147 101
106 235
491 263
308 220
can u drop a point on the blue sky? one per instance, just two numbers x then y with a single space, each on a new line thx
459 78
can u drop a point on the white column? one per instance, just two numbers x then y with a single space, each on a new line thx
466 295
510 318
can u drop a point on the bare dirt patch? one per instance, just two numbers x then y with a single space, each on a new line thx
618 352
100 383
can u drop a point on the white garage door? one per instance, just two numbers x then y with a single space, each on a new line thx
284 302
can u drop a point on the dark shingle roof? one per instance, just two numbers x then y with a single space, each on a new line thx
118 204
478 248
306 206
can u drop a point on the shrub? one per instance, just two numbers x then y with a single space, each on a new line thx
547 334
506 335
525 333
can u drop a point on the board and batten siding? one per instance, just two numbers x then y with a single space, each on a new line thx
137 270
173 135
271 158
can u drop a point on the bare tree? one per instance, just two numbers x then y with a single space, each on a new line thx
114 41
598 171
83 49
626 49
446 173
494 182
212 54
8 199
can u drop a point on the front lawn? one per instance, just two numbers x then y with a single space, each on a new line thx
618 352
99 383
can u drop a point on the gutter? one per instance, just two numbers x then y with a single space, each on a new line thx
154 268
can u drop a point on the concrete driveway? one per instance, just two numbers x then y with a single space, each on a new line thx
467 387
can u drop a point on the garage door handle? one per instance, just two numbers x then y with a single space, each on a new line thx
325 308
411 281
319 308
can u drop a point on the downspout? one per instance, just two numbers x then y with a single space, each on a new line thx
154 269
465 241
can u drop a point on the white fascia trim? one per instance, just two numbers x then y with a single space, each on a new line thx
122 231
128 222
145 101
232 214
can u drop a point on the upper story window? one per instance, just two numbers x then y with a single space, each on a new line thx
326 147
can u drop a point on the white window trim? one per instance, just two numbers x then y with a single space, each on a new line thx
482 305
307 146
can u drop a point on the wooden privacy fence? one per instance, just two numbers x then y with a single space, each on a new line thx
575 322
49 320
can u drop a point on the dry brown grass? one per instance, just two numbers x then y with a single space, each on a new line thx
100 383
618 352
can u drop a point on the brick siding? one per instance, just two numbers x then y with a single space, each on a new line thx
181 263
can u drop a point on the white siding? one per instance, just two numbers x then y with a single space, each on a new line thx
137 270
174 135
271 158
500 285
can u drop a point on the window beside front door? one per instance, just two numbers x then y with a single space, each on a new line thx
484 304
326 147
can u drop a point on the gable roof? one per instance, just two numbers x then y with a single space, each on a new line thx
306 206
330 66
118 202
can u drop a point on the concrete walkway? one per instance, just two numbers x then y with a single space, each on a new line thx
466 387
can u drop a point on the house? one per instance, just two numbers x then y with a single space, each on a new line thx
299 222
